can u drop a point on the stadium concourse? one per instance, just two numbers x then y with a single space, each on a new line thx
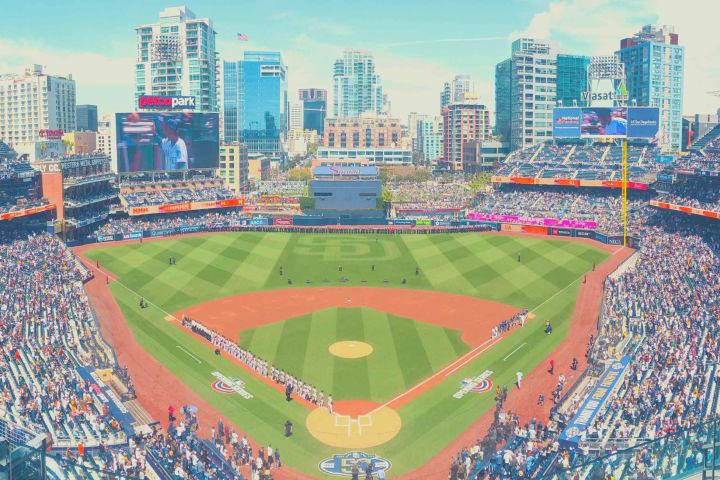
659 322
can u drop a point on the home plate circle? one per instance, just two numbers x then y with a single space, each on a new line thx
350 349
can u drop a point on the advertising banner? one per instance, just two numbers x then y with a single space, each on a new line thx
402 221
105 238
594 402
643 122
614 240
684 209
190 229
257 221
166 141
424 223
566 122
26 212
441 223
585 234
185 207
562 232
162 232
534 229
283 221
549 222
166 102
132 235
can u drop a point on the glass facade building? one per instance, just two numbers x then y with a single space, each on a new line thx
255 101
654 70
572 79
503 99
314 108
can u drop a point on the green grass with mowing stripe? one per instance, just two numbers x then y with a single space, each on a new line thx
547 279
405 351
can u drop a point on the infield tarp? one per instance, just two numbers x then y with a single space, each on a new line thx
594 402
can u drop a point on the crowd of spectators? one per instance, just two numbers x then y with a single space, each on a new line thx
583 208
282 188
702 194
429 196
47 332
125 225
163 196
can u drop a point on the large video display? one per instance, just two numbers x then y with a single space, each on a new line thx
165 141
603 122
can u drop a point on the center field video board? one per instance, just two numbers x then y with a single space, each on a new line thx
604 122
166 141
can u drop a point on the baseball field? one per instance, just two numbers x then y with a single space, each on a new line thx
393 326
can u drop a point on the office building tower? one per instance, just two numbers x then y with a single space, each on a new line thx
654 68
503 99
176 57
314 102
572 79
356 86
255 102
35 106
453 91
430 139
296 116
86 118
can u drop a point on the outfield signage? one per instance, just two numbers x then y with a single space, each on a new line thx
225 384
606 122
593 404
472 384
341 465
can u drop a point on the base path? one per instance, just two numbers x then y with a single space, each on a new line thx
474 317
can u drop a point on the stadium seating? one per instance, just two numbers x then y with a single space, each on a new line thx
138 194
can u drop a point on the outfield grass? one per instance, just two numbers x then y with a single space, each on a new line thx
405 351
546 279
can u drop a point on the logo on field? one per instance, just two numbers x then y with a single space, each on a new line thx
479 384
342 465
228 385
482 387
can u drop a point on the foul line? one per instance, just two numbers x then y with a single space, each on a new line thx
168 314
453 367
193 356
518 348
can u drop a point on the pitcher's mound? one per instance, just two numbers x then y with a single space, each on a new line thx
362 431
351 349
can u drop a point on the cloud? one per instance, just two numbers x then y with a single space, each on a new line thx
440 41
595 27
94 73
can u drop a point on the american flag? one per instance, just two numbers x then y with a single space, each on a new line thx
242 37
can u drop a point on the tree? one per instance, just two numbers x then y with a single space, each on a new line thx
312 149
480 182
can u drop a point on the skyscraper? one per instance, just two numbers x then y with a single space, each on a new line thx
176 56
503 99
314 102
572 79
255 101
356 86
533 92
86 117
33 104
654 68
453 91
296 116
430 139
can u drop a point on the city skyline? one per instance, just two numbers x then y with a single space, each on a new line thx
101 56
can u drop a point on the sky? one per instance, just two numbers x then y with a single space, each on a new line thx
417 44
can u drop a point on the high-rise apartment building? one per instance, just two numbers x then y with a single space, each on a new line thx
35 103
314 102
176 56
296 116
533 92
105 139
255 101
465 122
234 166
86 118
430 139
356 86
572 79
654 68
